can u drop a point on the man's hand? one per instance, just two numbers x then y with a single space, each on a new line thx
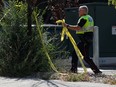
65 25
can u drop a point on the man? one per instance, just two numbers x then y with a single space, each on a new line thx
84 29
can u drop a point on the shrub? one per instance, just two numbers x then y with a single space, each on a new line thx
20 54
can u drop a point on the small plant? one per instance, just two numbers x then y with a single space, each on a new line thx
78 77
73 77
111 80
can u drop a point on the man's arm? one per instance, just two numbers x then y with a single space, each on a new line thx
72 27
79 25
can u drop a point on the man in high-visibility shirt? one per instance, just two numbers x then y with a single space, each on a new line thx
84 29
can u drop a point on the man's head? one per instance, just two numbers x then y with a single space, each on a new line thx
83 10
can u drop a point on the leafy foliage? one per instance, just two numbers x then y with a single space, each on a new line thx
21 54
113 2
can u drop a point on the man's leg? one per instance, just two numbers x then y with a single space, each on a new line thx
74 61
88 40
90 61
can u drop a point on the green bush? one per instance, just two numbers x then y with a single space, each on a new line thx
20 54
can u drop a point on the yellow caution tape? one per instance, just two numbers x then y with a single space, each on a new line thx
78 53
45 50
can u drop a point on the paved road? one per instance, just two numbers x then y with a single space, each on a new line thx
6 82
36 82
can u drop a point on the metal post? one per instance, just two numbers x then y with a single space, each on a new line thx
96 45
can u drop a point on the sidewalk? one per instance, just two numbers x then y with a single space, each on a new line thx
106 71
36 82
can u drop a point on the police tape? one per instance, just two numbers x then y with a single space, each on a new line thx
44 47
78 53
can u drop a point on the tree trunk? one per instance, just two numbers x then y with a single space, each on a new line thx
29 18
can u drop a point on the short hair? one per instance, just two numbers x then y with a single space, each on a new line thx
84 7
